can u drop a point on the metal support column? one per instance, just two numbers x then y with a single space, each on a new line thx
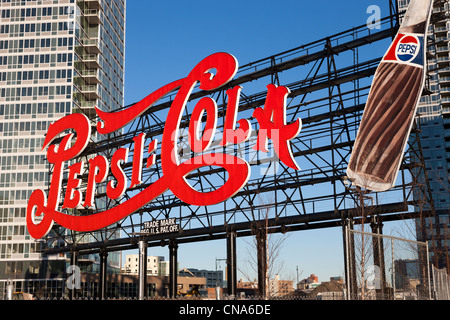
103 273
73 262
349 259
345 241
173 268
142 268
261 247
231 264
378 255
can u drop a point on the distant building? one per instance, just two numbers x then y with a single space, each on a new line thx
338 279
279 288
213 278
329 290
247 284
156 266
407 273
276 287
163 268
308 283
123 286
247 288
212 293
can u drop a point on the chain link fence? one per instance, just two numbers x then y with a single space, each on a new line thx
381 267
441 284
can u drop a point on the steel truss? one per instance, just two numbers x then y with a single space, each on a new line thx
329 98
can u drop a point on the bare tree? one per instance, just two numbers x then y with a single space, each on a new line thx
368 249
274 244
364 206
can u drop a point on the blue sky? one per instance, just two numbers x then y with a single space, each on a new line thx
166 39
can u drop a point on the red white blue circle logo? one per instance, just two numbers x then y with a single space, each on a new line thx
407 48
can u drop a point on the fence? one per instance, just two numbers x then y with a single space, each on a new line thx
384 267
441 284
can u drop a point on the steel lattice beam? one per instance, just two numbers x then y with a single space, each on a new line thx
328 86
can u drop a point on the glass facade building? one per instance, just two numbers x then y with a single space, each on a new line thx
56 57
434 118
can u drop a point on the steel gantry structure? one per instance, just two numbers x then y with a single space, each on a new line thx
329 80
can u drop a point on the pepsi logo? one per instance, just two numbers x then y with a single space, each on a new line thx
407 48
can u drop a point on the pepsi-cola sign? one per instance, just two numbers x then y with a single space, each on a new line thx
43 209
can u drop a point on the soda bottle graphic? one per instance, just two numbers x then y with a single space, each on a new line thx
391 105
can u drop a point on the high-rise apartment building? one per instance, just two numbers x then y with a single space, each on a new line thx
434 115
56 57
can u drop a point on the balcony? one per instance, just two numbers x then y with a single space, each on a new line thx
85 107
443 60
445 91
441 29
446 110
442 49
90 76
88 104
445 101
91 4
445 79
443 71
90 92
91 61
92 16
91 45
